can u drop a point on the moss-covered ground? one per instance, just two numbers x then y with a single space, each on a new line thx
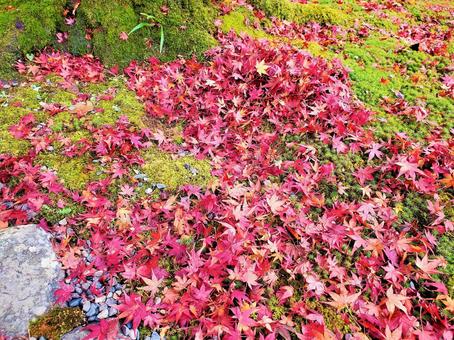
107 103
56 323
95 26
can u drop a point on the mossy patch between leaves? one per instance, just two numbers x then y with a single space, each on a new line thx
161 168
56 323
302 13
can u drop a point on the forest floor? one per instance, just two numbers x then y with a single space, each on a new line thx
296 183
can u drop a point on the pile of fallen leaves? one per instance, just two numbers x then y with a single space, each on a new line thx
261 252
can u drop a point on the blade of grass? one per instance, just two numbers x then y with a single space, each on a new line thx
139 26
161 43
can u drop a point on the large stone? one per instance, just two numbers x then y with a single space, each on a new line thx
79 333
76 334
29 275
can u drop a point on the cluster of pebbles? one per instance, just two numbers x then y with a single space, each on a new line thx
102 306
98 307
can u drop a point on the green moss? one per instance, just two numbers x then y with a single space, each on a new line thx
53 214
344 167
332 318
54 94
236 21
56 323
414 209
445 248
8 55
72 171
276 308
27 26
187 29
11 145
374 79
14 105
173 173
302 13
61 120
79 135
124 103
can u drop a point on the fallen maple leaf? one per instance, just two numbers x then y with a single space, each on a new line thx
409 169
275 204
261 67
395 300
152 285
428 266
343 299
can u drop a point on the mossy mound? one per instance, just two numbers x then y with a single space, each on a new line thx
302 13
56 323
236 21
28 26
110 100
187 29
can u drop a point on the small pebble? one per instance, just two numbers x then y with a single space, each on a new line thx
93 310
98 273
104 314
113 311
41 338
75 302
134 334
155 336
92 318
100 299
111 302
110 294
86 306
125 330
103 307
79 290
86 285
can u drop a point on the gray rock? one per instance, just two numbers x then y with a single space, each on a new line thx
29 273
75 334
79 334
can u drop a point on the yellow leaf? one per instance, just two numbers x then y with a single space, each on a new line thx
261 67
